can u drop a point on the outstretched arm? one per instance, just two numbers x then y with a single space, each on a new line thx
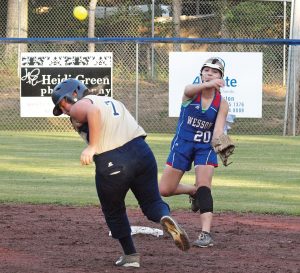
191 90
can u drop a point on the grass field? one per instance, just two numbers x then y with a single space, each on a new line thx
44 167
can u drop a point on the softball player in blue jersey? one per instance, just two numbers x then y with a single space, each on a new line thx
202 118
123 161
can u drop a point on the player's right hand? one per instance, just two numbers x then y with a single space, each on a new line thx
215 83
87 154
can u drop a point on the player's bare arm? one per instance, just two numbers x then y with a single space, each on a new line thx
84 111
221 118
192 90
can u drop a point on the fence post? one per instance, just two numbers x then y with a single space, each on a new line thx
137 81
292 94
296 122
152 35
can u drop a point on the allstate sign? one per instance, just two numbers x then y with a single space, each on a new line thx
243 80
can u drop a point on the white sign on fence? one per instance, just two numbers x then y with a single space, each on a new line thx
42 71
243 80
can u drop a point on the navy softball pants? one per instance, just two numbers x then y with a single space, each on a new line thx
130 167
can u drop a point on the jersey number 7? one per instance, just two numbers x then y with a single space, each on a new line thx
115 113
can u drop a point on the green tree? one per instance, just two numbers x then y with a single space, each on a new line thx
252 20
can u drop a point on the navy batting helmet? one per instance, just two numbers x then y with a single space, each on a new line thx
71 89
216 63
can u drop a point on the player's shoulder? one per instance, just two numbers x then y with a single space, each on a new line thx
224 104
224 101
98 98
90 96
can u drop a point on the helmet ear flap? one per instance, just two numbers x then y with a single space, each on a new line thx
72 98
75 96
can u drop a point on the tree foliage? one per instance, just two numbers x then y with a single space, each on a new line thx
251 19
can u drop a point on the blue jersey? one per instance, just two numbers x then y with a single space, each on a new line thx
197 125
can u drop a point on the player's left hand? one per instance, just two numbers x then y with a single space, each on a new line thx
87 154
224 147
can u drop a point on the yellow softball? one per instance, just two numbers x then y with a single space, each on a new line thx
80 13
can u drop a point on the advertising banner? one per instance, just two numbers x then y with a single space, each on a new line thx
243 80
41 72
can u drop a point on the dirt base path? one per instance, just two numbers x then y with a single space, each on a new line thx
58 239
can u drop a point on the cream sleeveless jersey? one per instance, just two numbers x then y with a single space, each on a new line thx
118 125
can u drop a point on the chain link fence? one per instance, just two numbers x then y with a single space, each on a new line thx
195 19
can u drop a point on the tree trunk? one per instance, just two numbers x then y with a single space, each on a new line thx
17 26
223 8
176 21
91 31
12 28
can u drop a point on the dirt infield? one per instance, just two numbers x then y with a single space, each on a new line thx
58 239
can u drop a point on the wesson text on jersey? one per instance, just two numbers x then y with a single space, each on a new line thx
199 123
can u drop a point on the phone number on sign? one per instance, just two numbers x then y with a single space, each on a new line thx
236 107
